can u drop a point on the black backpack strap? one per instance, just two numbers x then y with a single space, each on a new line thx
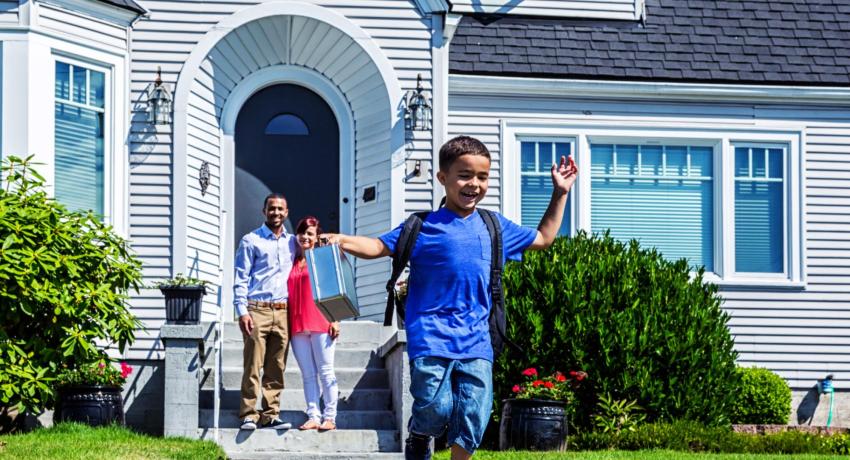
401 256
498 334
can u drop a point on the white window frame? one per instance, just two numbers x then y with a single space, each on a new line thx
512 203
115 183
721 138
107 125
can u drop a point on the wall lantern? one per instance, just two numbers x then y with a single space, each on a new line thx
417 109
159 102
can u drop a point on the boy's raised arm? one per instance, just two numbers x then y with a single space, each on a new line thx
563 178
363 247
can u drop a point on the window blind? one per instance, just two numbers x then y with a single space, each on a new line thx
759 213
661 195
536 160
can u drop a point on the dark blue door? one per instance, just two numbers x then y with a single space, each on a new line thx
287 141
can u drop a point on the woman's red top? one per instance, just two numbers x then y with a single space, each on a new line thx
304 316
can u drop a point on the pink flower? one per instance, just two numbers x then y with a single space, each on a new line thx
530 372
101 365
516 389
126 370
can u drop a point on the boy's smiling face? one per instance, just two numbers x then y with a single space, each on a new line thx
465 183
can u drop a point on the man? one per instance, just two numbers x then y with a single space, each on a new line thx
263 262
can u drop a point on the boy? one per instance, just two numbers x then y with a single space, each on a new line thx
448 301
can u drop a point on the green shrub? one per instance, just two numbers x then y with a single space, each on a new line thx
687 436
64 278
763 397
642 327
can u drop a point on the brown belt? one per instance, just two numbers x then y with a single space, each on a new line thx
263 304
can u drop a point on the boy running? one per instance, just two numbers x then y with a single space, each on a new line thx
448 302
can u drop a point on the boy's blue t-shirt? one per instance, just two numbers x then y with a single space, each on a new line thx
448 299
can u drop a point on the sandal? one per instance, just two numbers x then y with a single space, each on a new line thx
309 425
327 425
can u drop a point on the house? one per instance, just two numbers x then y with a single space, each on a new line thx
717 131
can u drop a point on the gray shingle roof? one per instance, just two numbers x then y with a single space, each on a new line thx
803 42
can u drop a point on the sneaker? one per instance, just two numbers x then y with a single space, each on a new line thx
417 447
277 424
248 424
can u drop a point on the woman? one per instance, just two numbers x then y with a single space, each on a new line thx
312 336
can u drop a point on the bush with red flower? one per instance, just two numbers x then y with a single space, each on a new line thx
102 372
558 387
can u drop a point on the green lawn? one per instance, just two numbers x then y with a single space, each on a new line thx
622 455
79 442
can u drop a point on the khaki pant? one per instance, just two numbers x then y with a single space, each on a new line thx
266 348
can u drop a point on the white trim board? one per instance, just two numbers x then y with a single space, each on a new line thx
514 86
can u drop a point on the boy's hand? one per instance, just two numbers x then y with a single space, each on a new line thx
564 175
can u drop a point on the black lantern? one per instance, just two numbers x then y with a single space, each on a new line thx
417 109
159 102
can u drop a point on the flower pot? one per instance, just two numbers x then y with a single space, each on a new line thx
533 424
183 304
94 405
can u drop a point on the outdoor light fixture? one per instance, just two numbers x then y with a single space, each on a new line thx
417 109
159 102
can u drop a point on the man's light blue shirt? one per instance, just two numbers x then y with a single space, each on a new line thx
263 262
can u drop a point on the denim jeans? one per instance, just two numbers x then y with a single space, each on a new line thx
453 394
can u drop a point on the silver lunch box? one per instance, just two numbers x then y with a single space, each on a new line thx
332 282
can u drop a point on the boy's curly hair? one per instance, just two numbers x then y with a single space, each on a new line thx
461 145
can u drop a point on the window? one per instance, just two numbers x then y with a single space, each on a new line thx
287 124
661 195
79 135
536 160
729 200
759 209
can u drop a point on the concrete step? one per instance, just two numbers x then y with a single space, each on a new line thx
248 443
343 357
362 334
315 456
347 378
349 419
349 399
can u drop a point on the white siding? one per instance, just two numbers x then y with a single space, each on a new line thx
82 27
167 38
8 11
599 9
803 334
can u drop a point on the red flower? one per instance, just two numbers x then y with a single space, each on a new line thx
537 383
126 370
549 385
516 389
530 372
101 365
560 377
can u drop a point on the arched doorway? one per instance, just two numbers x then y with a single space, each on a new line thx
287 141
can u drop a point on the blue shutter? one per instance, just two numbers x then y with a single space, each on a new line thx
78 159
660 195
759 219
536 159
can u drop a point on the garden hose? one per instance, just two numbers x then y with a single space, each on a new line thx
826 387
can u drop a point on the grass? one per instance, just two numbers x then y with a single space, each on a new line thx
80 442
623 455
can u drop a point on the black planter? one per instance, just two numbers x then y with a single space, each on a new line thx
95 405
533 424
183 304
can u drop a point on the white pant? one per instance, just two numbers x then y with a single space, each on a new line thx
314 353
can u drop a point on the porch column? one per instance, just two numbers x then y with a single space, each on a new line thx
183 360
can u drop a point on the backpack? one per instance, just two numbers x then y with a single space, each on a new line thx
401 256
